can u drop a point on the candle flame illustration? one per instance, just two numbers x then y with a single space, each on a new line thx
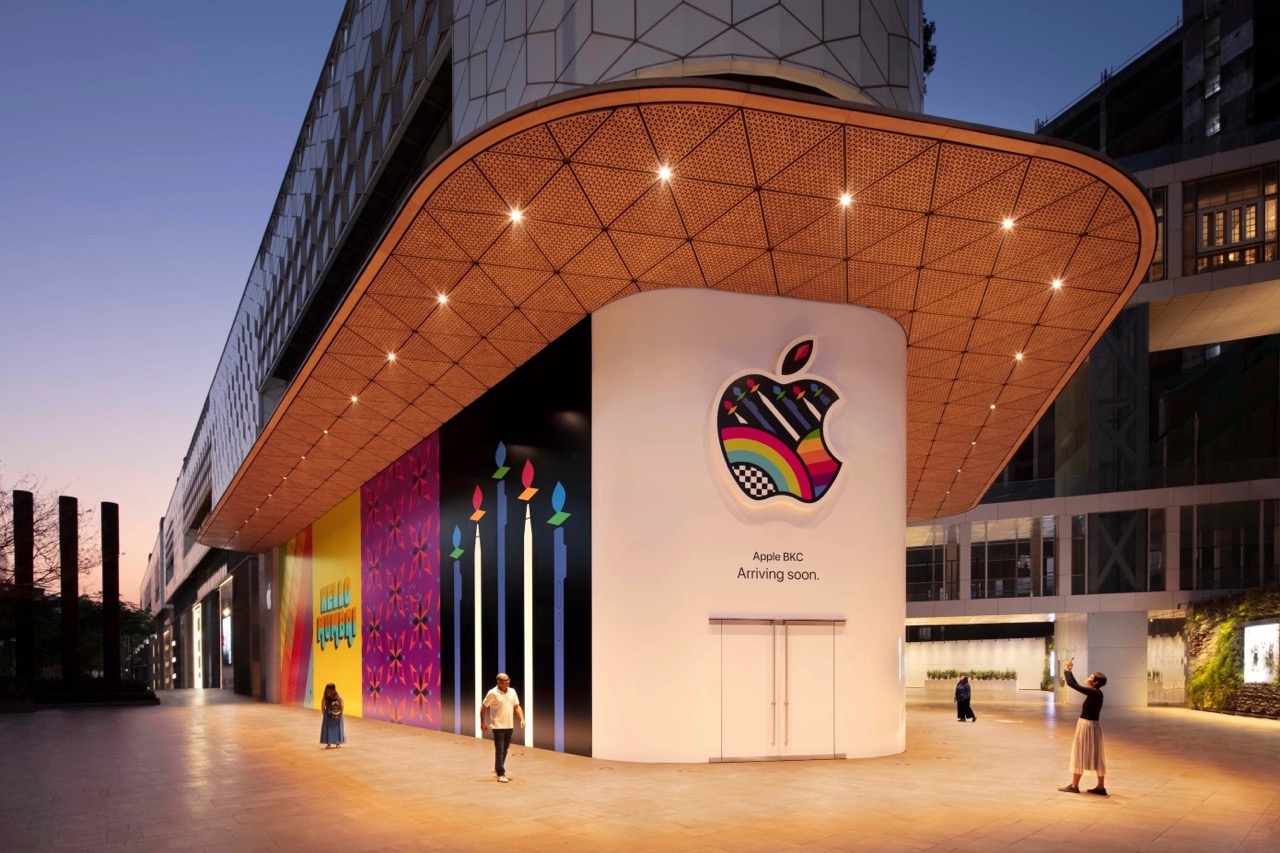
526 477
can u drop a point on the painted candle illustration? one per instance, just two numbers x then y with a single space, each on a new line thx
559 565
456 553
500 457
526 479
476 498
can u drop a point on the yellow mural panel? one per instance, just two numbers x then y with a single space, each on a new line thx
335 590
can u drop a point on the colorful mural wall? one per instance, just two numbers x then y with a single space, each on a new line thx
467 556
400 576
515 481
295 620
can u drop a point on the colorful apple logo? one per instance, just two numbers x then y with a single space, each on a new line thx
770 430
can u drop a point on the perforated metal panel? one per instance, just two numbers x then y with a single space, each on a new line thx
752 205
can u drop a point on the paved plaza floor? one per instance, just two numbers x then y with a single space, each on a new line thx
210 771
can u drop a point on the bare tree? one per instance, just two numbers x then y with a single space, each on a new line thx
47 553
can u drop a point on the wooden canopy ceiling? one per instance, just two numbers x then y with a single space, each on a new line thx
1002 256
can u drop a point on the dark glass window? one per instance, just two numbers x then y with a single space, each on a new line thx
1117 551
1222 545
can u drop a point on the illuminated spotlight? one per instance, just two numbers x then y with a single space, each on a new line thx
516 215
390 357
304 457
846 200
1017 356
1007 224
355 399
664 173
326 432
1057 284
442 299
993 406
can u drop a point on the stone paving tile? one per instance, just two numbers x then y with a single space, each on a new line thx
207 770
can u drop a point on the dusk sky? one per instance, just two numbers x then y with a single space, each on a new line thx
144 146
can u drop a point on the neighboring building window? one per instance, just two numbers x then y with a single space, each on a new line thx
1270 539
1222 546
933 562
1212 72
1157 271
1155 549
1079 558
1230 220
1013 557
1117 554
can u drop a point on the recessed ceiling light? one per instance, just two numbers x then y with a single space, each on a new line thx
664 173
993 405
355 399
516 215
1057 283
390 357
1007 224
846 199
442 299
1017 356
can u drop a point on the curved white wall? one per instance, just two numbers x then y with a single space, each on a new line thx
669 531
514 52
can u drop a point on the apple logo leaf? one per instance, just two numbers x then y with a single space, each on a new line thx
796 358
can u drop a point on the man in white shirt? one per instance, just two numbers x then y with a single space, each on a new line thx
502 702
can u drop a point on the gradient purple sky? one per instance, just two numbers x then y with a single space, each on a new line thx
144 146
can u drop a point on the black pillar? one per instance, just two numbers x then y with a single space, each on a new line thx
69 550
24 567
111 592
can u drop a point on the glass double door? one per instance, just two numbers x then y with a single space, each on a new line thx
777 689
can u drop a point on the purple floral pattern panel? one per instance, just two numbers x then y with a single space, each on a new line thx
400 576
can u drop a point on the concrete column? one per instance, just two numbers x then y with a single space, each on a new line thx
1118 647
24 548
111 592
966 561
1113 643
69 552
1172 548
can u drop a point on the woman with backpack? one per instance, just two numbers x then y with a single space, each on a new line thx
332 731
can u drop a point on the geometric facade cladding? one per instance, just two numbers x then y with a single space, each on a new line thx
507 55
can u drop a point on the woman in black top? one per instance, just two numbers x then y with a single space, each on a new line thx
1086 748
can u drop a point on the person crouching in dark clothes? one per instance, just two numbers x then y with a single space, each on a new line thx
963 693
1086 747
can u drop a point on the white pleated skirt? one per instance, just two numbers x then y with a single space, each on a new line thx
1087 753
